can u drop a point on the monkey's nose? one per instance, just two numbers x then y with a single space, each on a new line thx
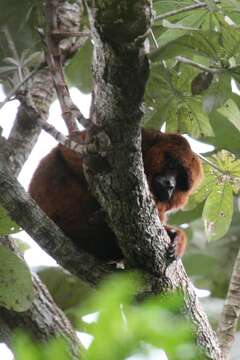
169 182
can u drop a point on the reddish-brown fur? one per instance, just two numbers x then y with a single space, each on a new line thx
60 189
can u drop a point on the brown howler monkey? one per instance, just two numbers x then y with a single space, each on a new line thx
60 189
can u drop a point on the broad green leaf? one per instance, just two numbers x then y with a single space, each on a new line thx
217 211
60 283
204 44
189 118
211 5
231 111
168 94
218 93
16 288
225 134
207 186
230 37
194 20
162 7
7 226
233 4
227 162
78 70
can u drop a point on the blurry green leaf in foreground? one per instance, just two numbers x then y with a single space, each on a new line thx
25 349
16 289
124 325
7 226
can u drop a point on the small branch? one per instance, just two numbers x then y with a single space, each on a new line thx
19 85
54 60
66 34
154 39
186 61
214 166
198 5
82 148
231 311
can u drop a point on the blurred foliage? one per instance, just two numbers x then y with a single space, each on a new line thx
14 271
123 326
68 291
7 226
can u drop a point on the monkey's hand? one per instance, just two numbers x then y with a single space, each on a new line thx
178 242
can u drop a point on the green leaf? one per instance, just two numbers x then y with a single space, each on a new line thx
207 186
78 70
225 134
189 118
231 111
218 93
168 94
16 288
7 226
217 211
194 21
211 5
227 162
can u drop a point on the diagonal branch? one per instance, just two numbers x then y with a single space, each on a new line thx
55 59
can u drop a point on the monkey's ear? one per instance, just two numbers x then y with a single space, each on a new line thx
150 137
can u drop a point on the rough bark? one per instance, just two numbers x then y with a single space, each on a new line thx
120 69
231 312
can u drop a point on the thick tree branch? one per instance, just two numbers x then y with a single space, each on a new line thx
120 71
231 311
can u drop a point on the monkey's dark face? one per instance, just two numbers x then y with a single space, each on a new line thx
171 179
164 186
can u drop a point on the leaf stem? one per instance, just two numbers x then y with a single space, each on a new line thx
187 61
197 5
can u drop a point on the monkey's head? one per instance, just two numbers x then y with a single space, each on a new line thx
172 169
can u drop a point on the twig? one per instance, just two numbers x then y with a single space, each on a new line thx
196 6
187 61
214 166
231 311
19 85
154 39
54 59
81 147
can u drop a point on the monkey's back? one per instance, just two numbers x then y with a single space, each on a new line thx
58 186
